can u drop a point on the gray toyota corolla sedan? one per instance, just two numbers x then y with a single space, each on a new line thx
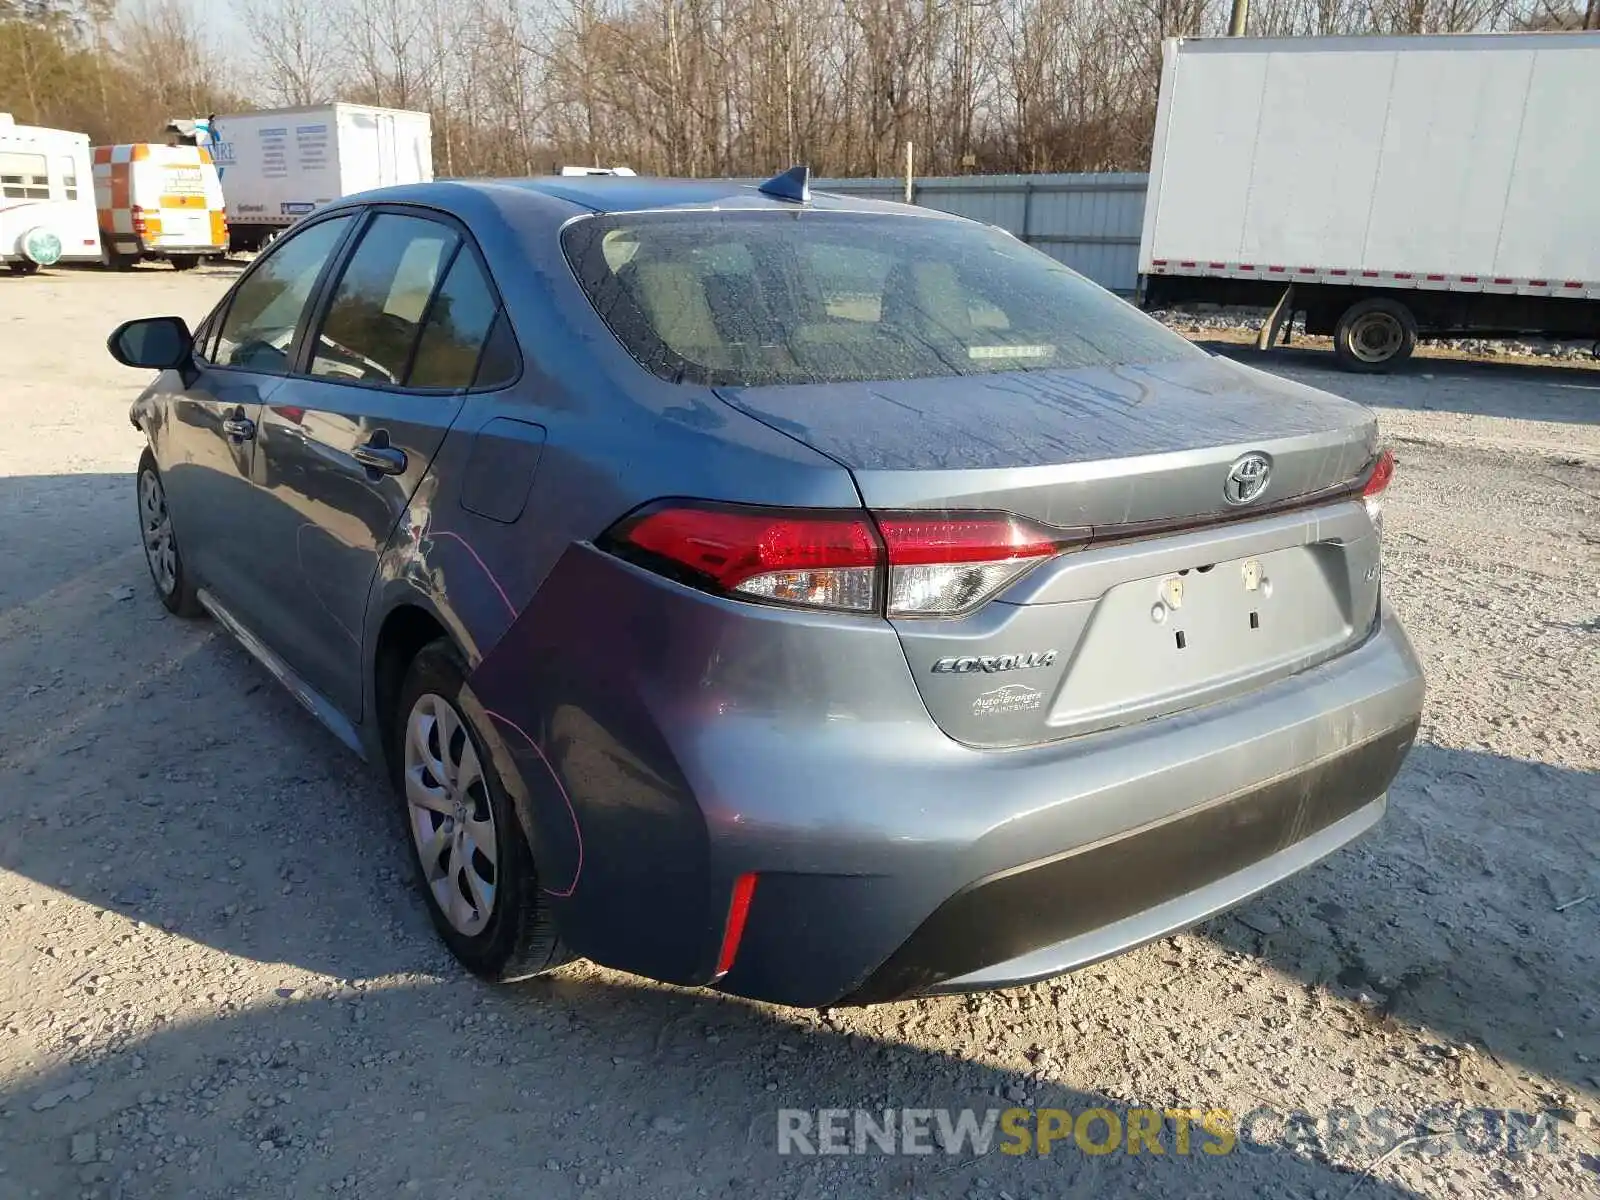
819 600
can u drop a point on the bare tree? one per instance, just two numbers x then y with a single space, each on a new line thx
300 64
695 87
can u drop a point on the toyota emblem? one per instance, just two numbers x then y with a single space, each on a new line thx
1247 478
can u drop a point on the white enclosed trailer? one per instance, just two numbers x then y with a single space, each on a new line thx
47 212
278 165
1398 185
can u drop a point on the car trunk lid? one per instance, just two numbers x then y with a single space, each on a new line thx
1171 589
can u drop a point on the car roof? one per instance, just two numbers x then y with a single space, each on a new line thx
617 194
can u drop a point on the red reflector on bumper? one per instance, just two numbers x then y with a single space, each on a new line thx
744 889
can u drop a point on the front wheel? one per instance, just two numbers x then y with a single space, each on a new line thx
1374 335
474 866
161 555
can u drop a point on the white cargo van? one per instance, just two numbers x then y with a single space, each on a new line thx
46 199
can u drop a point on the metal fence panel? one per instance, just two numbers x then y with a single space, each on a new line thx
1090 222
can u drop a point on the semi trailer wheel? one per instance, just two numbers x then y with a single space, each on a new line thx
1374 335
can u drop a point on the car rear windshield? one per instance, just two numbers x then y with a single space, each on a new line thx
753 298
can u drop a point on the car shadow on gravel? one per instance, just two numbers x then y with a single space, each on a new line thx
1518 390
1473 911
451 1090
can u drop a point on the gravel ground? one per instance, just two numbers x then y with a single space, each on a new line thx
215 980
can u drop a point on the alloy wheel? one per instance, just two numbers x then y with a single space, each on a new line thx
159 550
451 820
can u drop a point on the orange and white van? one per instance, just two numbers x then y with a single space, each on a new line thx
158 202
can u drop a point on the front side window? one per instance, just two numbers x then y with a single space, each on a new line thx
24 177
205 338
377 309
745 299
259 331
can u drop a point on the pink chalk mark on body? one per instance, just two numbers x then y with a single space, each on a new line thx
482 566
577 831
571 812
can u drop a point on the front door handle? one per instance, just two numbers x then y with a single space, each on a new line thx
241 429
382 458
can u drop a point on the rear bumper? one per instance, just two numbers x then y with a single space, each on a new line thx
695 740
1076 908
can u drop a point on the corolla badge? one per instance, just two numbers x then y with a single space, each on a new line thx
991 663
1247 478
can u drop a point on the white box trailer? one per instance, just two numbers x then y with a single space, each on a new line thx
1382 186
47 212
279 165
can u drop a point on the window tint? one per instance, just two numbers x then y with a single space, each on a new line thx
761 298
378 306
258 331
456 329
501 360
24 177
205 336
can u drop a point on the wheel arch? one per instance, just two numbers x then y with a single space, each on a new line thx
409 624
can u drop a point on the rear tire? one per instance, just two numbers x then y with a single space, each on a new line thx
24 267
1376 334
475 869
172 582
185 262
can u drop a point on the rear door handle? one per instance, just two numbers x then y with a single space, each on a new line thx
382 458
239 428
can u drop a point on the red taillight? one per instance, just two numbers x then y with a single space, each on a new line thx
1382 473
816 558
917 538
904 563
744 890
944 564
138 220
1377 483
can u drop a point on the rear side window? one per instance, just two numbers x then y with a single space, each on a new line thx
457 327
744 299
377 309
258 332
501 359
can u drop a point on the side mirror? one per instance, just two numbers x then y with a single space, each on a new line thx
156 343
